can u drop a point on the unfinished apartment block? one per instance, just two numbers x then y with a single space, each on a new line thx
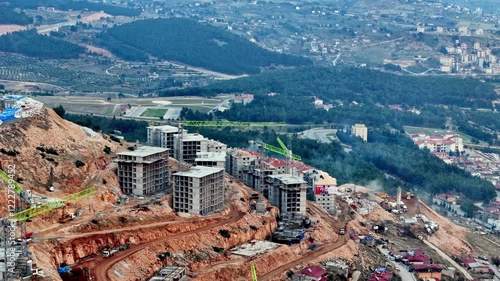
239 159
211 159
162 136
288 193
199 190
143 171
194 143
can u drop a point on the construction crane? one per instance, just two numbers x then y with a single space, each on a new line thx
54 204
254 272
281 151
288 155
222 123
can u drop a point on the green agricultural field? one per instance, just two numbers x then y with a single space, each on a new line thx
154 112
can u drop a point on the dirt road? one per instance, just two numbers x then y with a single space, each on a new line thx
304 259
313 254
103 266
450 260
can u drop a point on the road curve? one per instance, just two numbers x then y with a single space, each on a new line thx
103 266
325 248
307 257
43 235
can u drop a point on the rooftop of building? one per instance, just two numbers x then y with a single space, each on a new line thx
143 151
237 152
165 128
313 271
168 271
288 179
193 137
359 126
325 179
210 156
199 172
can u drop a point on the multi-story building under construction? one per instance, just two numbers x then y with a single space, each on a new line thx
143 171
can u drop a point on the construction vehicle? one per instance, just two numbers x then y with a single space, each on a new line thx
409 195
383 196
66 218
108 252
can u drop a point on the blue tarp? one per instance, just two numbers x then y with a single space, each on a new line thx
381 268
63 269
8 113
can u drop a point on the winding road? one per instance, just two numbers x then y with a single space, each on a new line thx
325 248
103 266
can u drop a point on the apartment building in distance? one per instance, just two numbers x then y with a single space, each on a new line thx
211 159
143 171
360 130
194 143
288 193
162 136
448 142
200 190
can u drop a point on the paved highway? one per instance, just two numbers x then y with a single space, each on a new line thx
321 135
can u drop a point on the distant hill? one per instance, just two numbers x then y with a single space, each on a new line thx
8 16
32 44
65 5
192 43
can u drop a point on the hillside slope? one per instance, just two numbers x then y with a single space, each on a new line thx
194 44
32 166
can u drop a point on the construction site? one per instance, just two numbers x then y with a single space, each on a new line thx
184 207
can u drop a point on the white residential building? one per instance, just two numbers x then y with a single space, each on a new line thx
360 130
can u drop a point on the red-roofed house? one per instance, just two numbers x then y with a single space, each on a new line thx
381 276
311 273
428 270
244 99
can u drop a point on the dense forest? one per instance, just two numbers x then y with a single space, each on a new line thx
396 154
32 44
131 130
359 95
348 84
192 43
66 5
8 16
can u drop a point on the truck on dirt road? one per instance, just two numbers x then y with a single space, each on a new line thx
108 252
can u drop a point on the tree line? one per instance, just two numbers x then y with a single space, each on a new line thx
66 5
367 86
8 16
192 43
32 44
